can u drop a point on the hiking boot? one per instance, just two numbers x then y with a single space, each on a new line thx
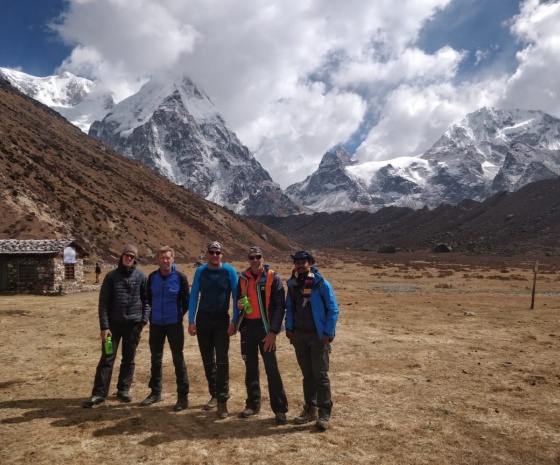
181 404
124 396
211 404
93 400
322 424
249 412
280 418
222 410
151 399
309 413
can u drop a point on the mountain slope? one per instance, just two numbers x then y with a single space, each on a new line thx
525 221
55 181
74 97
175 129
491 150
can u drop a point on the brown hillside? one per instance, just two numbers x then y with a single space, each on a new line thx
56 182
507 224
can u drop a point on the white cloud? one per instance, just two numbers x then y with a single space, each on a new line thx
535 84
297 77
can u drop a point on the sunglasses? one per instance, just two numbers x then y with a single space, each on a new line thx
255 257
129 255
212 252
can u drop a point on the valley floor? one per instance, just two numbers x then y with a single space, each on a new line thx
433 363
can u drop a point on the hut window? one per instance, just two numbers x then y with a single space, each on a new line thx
69 271
27 272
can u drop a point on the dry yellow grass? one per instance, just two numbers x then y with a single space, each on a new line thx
431 365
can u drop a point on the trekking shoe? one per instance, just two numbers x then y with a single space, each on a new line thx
211 404
93 400
151 399
249 412
222 410
322 424
181 404
280 418
124 396
308 414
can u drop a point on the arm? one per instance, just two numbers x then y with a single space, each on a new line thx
332 311
105 300
146 307
184 292
277 309
150 296
234 293
289 312
193 301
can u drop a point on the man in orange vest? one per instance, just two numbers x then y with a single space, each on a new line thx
259 325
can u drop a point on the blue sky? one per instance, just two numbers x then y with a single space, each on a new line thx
293 79
26 42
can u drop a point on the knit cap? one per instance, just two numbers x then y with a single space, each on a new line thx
130 249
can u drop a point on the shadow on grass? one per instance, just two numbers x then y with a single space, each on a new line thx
156 424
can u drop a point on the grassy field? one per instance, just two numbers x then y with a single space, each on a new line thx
432 364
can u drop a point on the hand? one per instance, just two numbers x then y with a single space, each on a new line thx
289 334
269 342
104 333
326 339
231 329
192 329
240 305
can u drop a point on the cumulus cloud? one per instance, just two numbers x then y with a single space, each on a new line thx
294 79
535 84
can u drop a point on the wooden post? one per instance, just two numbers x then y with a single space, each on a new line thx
534 285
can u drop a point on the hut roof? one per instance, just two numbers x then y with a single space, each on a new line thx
38 246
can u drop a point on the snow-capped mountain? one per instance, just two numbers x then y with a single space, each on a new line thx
73 97
176 130
491 150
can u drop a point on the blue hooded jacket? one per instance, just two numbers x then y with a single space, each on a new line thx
324 306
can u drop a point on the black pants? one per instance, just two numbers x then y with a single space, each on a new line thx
213 342
252 333
176 337
313 358
129 333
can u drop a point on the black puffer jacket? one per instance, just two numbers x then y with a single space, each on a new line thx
123 297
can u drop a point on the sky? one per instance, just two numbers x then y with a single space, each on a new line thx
296 78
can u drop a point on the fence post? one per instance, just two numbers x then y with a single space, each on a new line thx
534 285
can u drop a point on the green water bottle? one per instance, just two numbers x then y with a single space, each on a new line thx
246 305
108 346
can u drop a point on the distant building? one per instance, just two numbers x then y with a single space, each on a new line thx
47 265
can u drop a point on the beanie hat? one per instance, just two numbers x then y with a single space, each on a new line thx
130 249
303 255
255 249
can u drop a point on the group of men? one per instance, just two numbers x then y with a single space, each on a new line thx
128 300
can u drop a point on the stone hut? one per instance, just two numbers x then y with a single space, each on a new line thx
47 265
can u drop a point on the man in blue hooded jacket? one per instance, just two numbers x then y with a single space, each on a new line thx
311 317
168 296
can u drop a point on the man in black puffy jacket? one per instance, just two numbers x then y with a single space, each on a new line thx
123 312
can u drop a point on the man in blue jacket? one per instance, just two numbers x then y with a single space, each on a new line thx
168 296
311 317
214 282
